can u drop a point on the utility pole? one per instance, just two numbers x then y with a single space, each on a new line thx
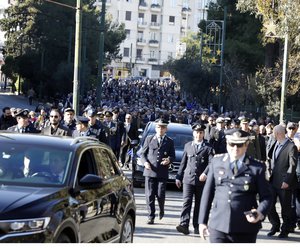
77 57
222 56
284 76
101 54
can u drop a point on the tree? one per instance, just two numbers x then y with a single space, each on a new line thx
278 17
40 40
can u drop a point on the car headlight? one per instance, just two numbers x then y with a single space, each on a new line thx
24 225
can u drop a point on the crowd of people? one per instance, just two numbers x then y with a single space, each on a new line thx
262 157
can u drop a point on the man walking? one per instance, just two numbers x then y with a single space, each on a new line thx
196 156
283 180
157 154
230 194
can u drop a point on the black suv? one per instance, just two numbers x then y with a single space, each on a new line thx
180 133
55 189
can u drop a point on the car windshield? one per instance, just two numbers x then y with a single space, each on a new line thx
24 165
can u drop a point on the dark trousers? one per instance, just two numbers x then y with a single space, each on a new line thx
189 192
155 187
125 157
216 236
285 199
296 207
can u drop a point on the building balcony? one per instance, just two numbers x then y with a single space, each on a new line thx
142 24
141 42
155 8
108 3
152 61
140 59
186 10
143 6
155 26
153 43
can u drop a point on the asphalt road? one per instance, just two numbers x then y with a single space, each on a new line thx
162 231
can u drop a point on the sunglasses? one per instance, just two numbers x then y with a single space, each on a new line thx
291 128
54 116
239 145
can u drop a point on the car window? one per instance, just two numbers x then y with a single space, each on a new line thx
86 164
105 162
33 165
180 139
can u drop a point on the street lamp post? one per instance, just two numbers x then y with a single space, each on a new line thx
77 57
101 53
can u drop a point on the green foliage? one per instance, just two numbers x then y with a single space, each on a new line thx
40 42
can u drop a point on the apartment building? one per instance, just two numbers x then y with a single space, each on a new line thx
154 30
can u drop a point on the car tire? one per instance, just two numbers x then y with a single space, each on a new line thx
63 238
126 234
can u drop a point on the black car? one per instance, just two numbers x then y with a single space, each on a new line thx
180 133
55 189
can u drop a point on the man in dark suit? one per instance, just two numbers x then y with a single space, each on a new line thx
283 180
55 127
196 156
157 154
130 134
233 182
23 124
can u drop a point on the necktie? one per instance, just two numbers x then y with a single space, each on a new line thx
235 167
159 141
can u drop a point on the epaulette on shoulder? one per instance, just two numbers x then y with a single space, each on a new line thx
257 160
219 155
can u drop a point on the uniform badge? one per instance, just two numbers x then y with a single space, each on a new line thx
221 172
165 153
246 187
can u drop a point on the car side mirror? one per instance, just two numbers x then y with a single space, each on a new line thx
91 181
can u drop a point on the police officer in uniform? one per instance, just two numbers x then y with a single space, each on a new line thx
196 156
82 128
230 194
23 126
157 154
96 128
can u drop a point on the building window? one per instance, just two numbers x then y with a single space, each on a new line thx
126 52
170 39
127 33
172 20
153 18
170 55
152 54
128 16
139 53
173 3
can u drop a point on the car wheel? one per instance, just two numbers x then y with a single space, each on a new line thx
63 239
127 230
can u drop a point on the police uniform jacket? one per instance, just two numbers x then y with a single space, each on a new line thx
98 130
153 153
227 197
28 129
194 162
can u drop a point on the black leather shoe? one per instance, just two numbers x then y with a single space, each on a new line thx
150 221
196 231
161 215
272 232
283 234
182 229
